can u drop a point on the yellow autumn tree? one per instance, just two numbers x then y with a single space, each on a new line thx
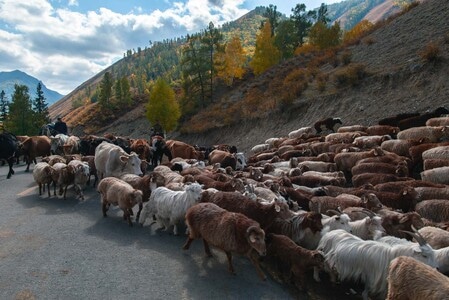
266 54
358 31
231 62
162 106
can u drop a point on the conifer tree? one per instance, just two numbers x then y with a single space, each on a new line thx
20 119
40 108
3 106
106 90
266 54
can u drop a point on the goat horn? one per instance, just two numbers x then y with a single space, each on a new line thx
339 210
368 212
417 237
418 234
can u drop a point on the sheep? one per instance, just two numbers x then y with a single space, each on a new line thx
169 207
434 210
346 160
371 141
421 119
292 259
417 151
352 128
431 134
228 231
404 198
119 193
304 228
236 202
382 130
395 186
430 193
409 278
54 158
235 184
315 181
63 176
401 169
343 137
438 121
436 237
81 174
319 166
367 261
303 132
436 175
399 147
260 148
342 201
42 176
375 178
439 152
395 223
430 164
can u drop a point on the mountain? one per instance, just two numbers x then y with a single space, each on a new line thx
9 79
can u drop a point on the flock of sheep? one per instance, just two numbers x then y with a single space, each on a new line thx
363 204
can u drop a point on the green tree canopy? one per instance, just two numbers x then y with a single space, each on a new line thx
20 119
40 107
162 106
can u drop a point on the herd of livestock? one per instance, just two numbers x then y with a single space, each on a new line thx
355 204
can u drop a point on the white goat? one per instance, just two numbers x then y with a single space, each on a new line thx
169 207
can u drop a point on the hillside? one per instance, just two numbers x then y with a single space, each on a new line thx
398 80
9 79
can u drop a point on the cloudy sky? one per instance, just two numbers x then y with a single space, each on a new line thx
66 42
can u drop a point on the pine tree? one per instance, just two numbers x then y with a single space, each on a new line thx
40 107
286 39
106 91
3 106
266 54
126 92
273 17
20 119
162 106
303 21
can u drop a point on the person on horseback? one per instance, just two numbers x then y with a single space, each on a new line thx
60 126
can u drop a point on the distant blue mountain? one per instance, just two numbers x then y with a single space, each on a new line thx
9 79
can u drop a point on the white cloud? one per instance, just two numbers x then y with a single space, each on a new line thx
63 48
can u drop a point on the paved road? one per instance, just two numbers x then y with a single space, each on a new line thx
56 249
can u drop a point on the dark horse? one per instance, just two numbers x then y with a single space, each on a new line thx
159 148
8 149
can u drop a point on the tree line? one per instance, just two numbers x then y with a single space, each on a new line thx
23 115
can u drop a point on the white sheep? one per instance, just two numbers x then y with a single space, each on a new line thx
303 132
169 207
81 175
431 134
436 175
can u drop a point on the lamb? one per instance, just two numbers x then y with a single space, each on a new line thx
228 231
430 164
63 176
169 207
292 259
409 278
434 210
117 192
42 176
437 175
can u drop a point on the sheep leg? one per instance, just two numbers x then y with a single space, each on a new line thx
207 248
65 191
230 266
48 188
127 217
138 213
187 244
104 208
255 260
316 274
40 189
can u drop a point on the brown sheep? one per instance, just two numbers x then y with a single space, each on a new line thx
399 147
236 202
432 134
228 231
346 160
400 170
383 130
343 137
430 164
42 176
370 141
290 259
409 278
352 128
436 237
117 192
375 178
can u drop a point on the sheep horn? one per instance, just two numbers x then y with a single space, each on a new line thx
419 235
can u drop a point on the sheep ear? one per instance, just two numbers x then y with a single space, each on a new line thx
123 158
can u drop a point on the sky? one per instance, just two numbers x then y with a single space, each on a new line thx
63 43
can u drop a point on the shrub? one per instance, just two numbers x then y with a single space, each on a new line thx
346 57
431 53
350 75
321 82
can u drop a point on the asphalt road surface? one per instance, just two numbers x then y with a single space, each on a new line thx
52 248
